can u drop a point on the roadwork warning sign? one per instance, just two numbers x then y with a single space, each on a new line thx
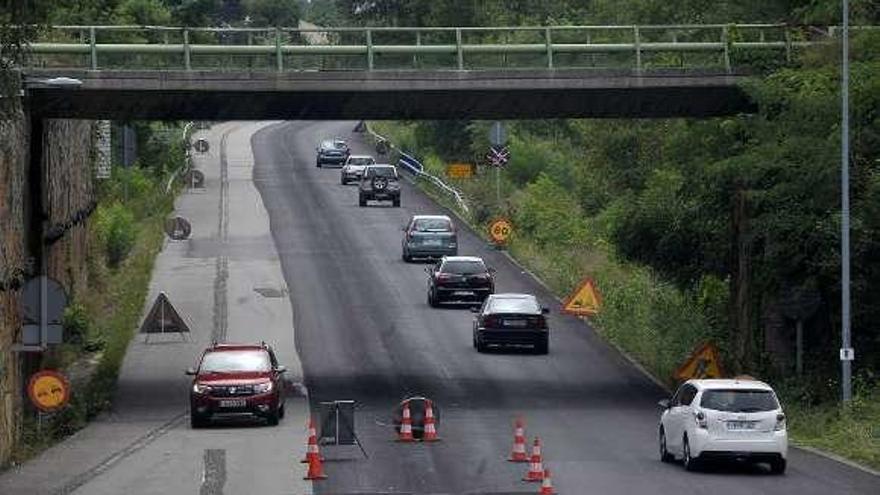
704 362
163 318
584 300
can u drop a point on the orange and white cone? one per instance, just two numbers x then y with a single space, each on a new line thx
312 448
406 434
536 465
518 454
316 470
547 484
430 426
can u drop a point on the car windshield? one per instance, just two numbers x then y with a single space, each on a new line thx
463 267
432 225
329 146
739 400
513 305
361 160
388 172
235 361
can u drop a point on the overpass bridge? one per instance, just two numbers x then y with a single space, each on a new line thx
158 72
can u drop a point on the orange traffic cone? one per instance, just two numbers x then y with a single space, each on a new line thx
547 484
430 427
316 470
536 465
519 443
312 449
406 434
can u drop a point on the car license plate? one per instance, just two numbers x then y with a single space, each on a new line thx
515 323
462 293
740 425
433 242
233 403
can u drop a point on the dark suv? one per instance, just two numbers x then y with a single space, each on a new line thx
511 319
459 279
332 152
237 380
378 183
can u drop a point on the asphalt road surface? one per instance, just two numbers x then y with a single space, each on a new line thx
365 332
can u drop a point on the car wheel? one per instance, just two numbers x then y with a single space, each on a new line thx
665 456
690 463
542 347
343 181
272 419
196 421
396 202
432 299
281 411
481 347
362 201
318 164
406 258
777 466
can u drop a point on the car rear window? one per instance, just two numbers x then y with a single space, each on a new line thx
739 400
514 305
235 361
433 225
361 161
384 172
340 145
463 267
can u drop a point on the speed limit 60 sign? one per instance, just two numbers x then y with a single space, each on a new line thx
500 230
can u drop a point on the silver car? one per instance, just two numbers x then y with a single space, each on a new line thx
354 167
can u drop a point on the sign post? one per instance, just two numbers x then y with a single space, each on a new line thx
498 154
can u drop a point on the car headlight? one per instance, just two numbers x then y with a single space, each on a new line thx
201 389
262 388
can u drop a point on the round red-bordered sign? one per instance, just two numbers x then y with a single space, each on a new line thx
48 390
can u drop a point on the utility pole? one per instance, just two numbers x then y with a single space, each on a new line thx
846 351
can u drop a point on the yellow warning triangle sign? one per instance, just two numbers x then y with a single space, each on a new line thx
163 318
584 301
704 362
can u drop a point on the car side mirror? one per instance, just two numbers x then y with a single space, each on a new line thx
545 311
190 372
475 309
664 404
492 271
403 228
281 369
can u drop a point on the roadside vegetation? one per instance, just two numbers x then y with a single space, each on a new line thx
125 235
723 230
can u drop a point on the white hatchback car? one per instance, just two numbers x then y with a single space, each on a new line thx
723 419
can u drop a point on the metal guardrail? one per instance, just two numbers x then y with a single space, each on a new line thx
547 45
415 167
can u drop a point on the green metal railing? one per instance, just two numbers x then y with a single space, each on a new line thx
724 46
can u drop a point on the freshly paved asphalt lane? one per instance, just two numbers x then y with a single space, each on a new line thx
365 332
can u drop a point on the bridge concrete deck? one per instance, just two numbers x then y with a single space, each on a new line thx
320 95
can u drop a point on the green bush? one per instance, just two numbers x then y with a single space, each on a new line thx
77 323
116 231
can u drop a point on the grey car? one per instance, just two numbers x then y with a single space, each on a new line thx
429 236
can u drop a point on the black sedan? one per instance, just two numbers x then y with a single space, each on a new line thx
459 279
511 320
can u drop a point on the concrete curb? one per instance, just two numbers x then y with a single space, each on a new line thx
840 459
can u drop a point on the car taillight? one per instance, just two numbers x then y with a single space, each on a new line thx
700 418
491 321
780 422
444 276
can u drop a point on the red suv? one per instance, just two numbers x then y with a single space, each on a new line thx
237 380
